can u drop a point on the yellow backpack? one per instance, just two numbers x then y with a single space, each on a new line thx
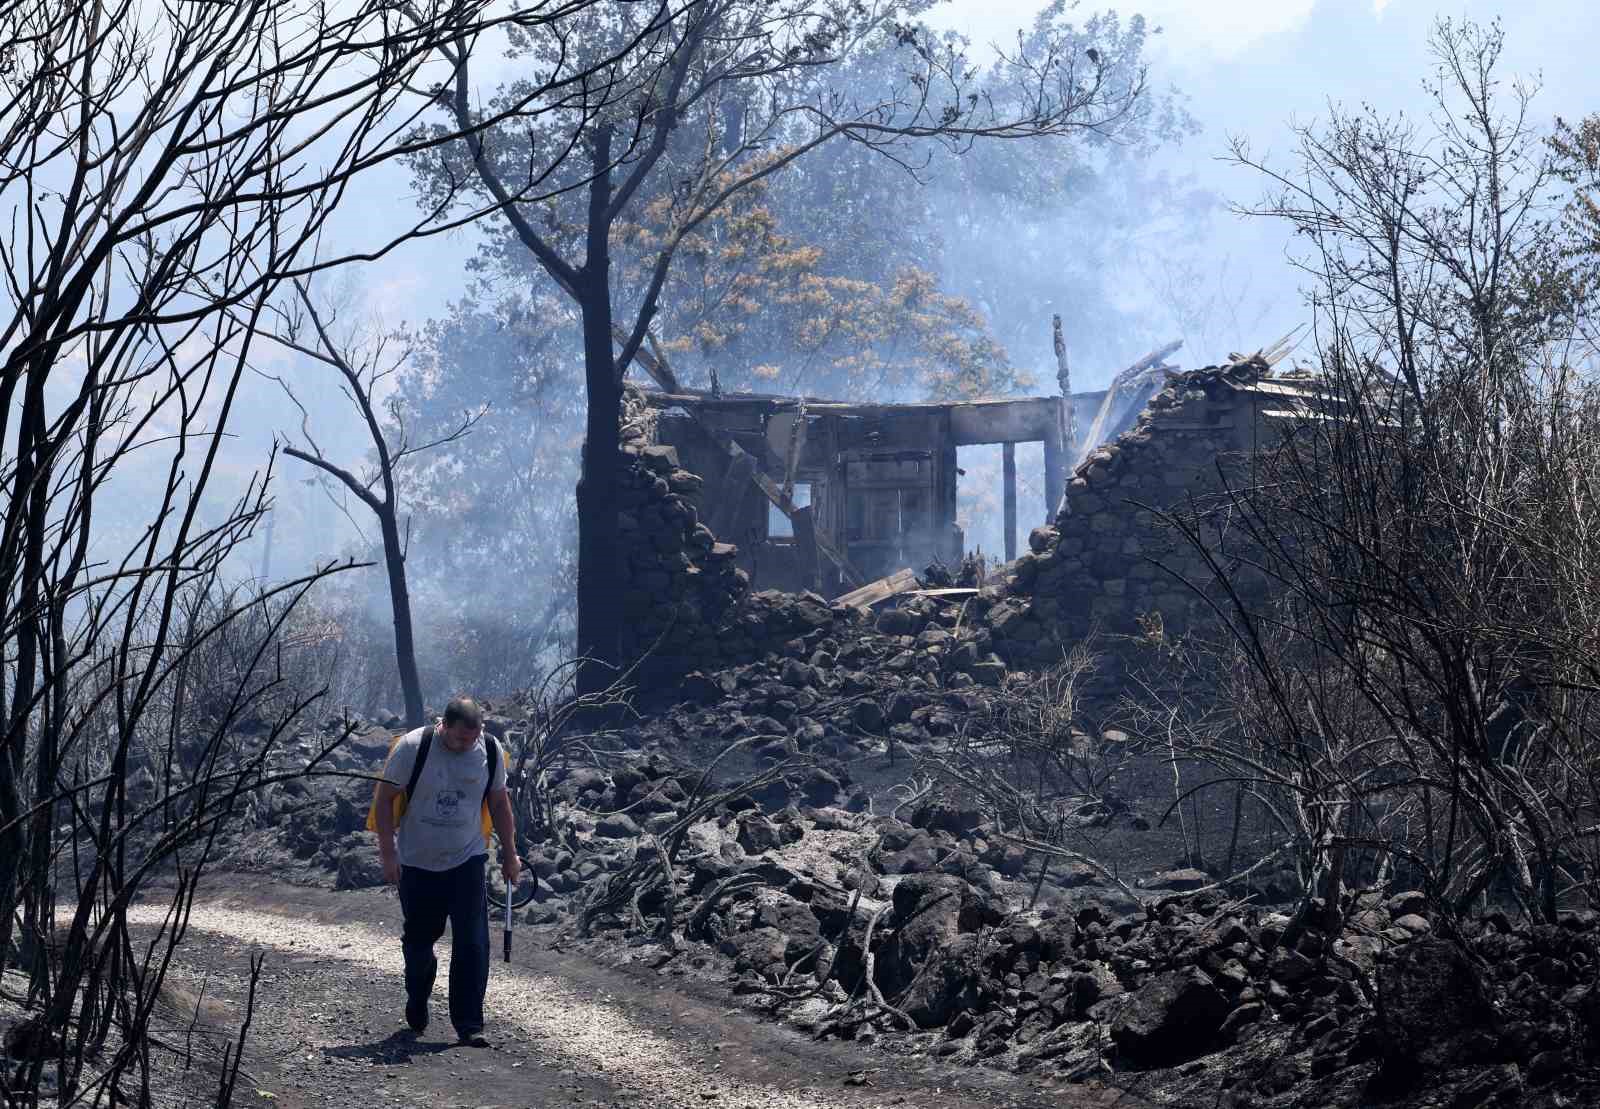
401 800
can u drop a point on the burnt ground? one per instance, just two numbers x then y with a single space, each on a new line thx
327 1030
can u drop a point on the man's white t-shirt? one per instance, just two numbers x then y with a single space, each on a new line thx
442 826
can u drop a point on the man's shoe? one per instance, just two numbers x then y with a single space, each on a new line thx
473 1039
417 1017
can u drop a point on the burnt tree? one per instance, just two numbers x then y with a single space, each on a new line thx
362 375
684 107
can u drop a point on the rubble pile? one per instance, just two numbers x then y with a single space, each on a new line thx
689 608
909 676
929 935
1209 1000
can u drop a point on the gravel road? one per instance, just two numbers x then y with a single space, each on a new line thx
568 1032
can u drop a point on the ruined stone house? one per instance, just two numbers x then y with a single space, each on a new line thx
712 574
877 481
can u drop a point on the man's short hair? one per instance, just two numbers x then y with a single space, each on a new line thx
463 710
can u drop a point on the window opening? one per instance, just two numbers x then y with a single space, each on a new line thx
780 526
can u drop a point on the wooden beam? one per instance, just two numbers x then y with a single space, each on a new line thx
735 480
769 488
1064 378
1027 420
901 581
805 545
796 444
1154 358
654 364
1119 386
1055 474
1008 458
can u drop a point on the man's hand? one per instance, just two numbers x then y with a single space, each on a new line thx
391 867
510 868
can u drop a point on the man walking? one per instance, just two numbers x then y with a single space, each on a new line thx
439 859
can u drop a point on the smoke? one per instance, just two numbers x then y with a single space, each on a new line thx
1133 243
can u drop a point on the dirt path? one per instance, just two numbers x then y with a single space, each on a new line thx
566 1030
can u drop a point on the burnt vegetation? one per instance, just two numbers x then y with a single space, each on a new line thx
1269 775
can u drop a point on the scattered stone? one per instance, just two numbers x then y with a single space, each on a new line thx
617 826
1179 880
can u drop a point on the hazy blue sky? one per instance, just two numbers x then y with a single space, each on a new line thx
1251 67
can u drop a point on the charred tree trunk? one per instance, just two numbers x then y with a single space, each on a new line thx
1008 466
361 378
599 600
405 646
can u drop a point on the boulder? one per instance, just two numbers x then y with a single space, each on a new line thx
349 814
1090 987
820 788
660 458
758 949
797 675
1171 1018
371 747
699 688
791 917
1056 938
919 856
929 912
867 715
1434 1013
944 815
952 982
1007 618
989 671
1414 923
360 868
898 621
1405 904
1290 967
1241 1018
1187 878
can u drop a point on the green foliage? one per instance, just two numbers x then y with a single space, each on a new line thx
770 314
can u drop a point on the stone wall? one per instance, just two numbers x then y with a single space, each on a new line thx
686 604
1110 564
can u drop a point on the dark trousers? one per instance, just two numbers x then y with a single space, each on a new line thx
427 899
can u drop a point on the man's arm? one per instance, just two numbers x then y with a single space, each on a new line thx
387 792
505 828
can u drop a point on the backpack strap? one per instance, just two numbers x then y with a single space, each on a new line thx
422 757
493 759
